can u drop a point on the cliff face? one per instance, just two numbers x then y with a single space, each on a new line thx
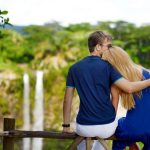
11 86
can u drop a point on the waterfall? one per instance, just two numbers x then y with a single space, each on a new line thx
38 117
26 111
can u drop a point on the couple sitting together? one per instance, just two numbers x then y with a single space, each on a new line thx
100 79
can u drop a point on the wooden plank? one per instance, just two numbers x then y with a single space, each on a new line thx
41 134
88 143
103 142
8 142
4 133
45 134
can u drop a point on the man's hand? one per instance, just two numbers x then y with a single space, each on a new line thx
67 130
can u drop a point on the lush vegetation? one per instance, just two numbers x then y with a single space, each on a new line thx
53 48
3 20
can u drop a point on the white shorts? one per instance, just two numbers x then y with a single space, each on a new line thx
102 131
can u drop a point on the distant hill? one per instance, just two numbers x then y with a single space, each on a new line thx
16 28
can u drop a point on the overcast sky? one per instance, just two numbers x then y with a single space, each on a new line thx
27 12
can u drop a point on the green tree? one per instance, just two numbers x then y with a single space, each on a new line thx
3 20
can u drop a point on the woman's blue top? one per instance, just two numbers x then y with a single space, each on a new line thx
136 124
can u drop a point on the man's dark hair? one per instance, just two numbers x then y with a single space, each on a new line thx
97 37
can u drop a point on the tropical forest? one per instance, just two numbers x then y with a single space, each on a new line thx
52 49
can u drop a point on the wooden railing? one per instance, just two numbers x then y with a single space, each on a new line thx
9 134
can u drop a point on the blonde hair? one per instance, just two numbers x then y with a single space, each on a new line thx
127 68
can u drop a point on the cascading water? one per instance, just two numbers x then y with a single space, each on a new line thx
38 116
26 110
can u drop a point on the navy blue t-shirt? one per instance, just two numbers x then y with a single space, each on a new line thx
92 78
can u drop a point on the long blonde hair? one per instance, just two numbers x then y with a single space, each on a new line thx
127 68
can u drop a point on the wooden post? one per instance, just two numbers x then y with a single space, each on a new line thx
103 142
8 142
77 141
88 143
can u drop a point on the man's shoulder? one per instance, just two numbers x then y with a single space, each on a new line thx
105 63
85 61
78 63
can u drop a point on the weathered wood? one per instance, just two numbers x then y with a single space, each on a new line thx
4 133
88 143
41 134
74 144
113 137
103 142
45 134
8 143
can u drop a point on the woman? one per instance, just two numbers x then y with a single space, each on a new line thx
136 125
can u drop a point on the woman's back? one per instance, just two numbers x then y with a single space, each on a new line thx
136 125
138 118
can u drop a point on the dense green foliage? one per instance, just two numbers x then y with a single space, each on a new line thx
53 48
3 20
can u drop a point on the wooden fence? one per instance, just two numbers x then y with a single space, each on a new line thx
9 134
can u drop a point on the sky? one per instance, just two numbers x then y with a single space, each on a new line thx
39 12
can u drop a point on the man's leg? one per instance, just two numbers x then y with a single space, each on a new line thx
82 146
97 145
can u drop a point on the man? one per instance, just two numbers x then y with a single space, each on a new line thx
92 77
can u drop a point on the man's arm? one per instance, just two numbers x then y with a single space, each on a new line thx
131 87
67 107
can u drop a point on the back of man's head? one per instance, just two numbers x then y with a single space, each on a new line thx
97 37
